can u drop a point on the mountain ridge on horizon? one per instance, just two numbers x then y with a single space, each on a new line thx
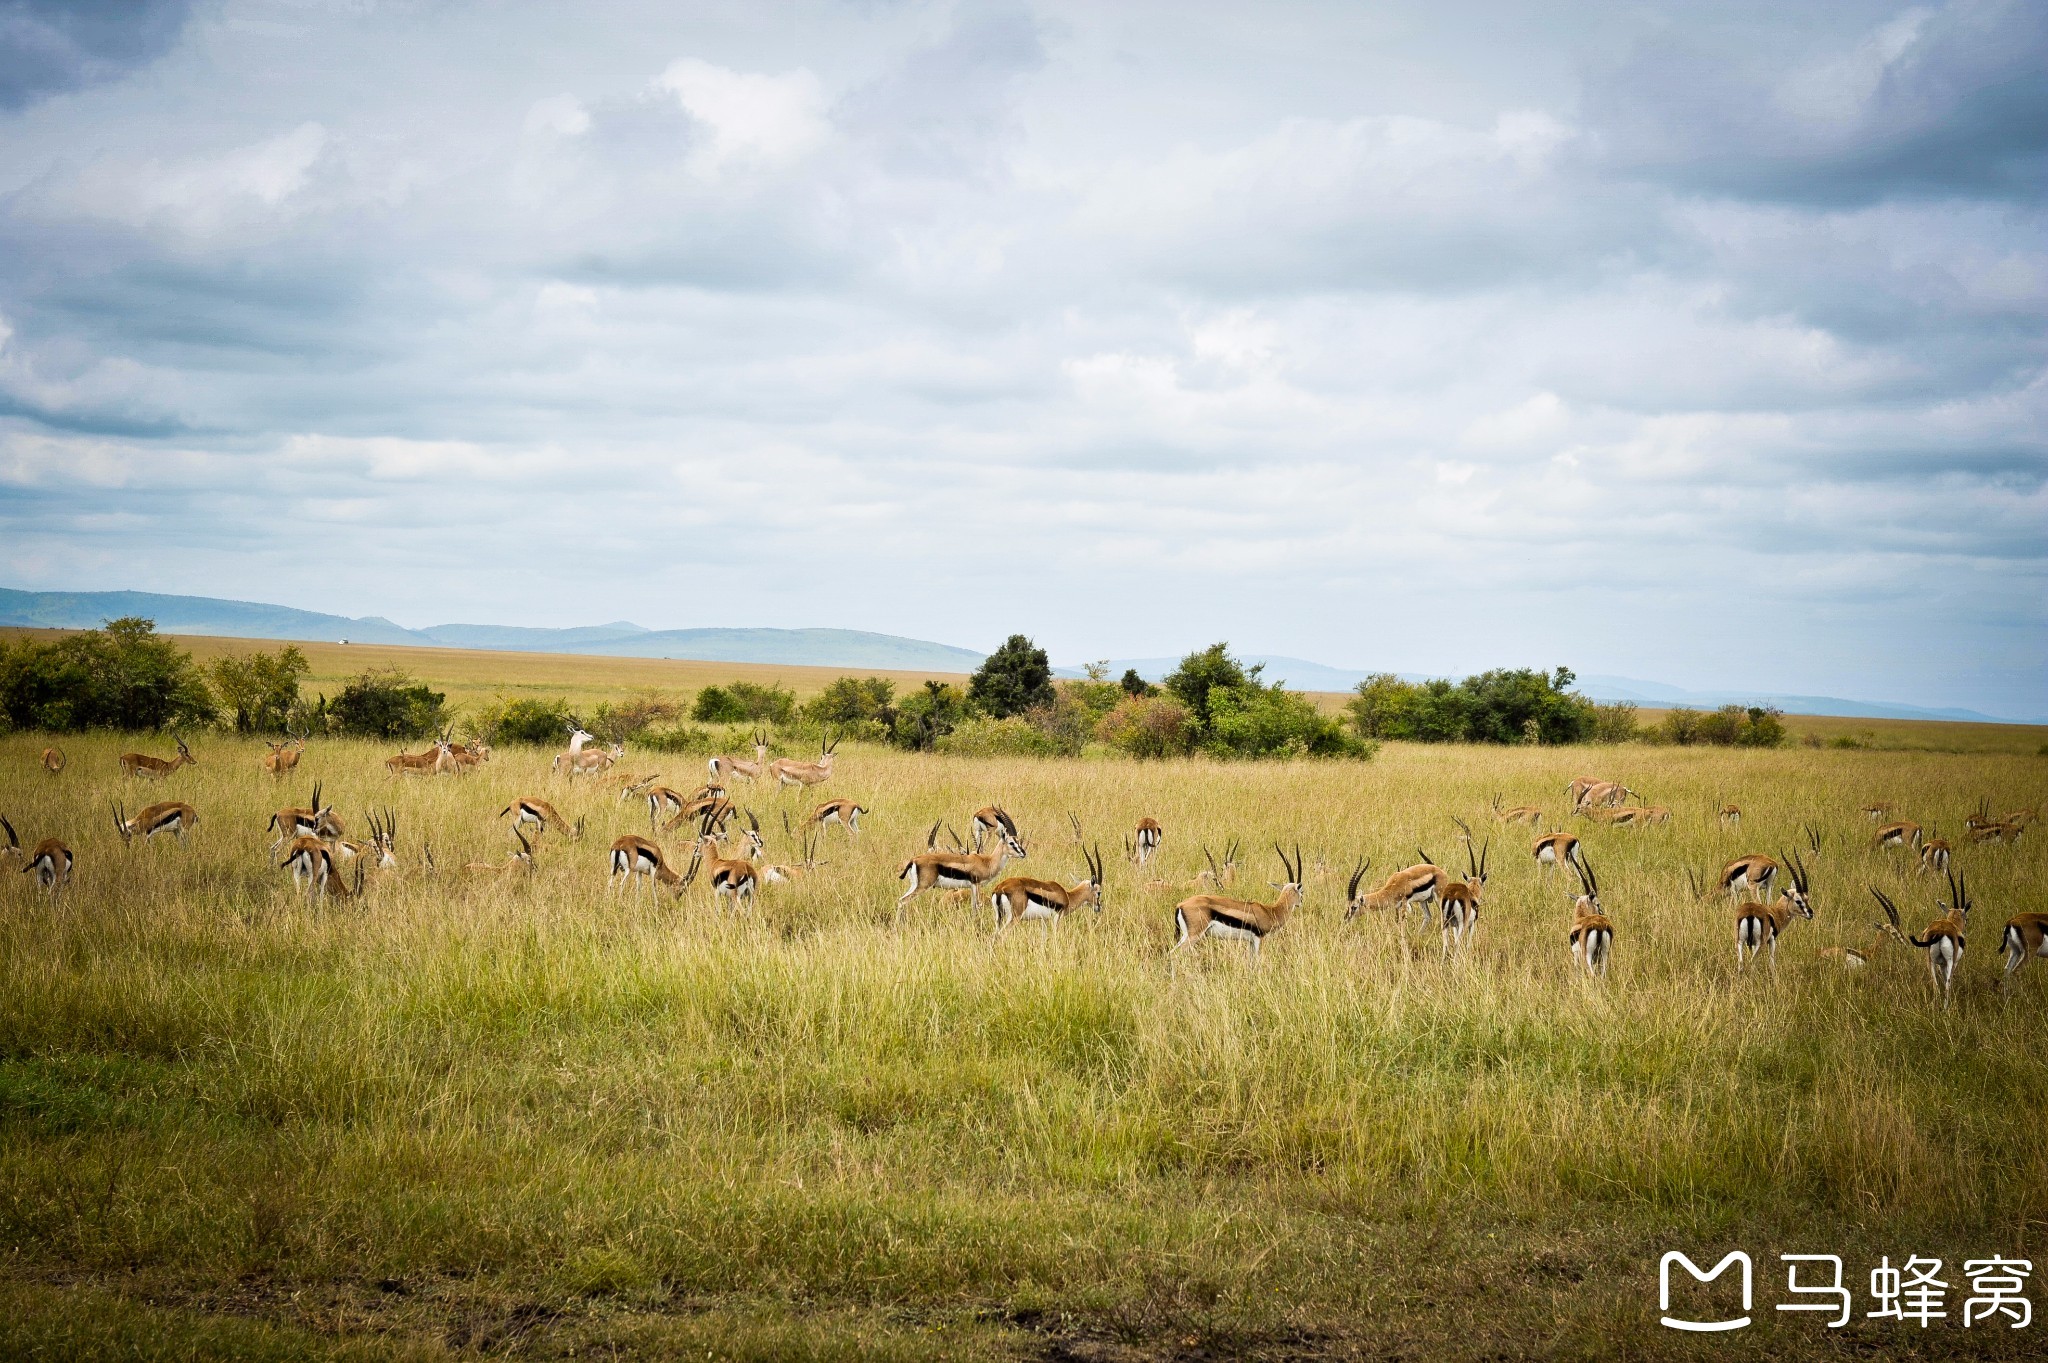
815 647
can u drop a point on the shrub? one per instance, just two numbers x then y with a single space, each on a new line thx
1011 680
529 721
743 702
1147 726
631 718
924 717
383 702
120 676
984 736
1258 721
1201 673
716 705
1614 722
852 700
1730 726
1135 685
259 691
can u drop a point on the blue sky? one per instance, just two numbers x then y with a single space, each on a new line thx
1701 343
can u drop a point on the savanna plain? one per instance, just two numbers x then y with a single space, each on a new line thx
519 1114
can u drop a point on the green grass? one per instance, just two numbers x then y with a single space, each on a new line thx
518 1115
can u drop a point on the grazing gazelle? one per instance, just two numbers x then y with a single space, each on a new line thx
310 861
779 873
1553 850
958 870
1944 940
156 768
1531 815
633 856
2024 938
1760 925
1731 816
520 860
1935 852
2005 830
1148 838
663 800
541 815
750 772
787 771
283 758
712 811
845 813
1579 785
1414 887
53 760
1240 920
1608 793
734 876
1901 834
1753 872
632 787
1877 810
1022 897
319 821
165 816
381 849
1592 935
1855 958
991 819
1459 901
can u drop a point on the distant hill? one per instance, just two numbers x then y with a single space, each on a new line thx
794 647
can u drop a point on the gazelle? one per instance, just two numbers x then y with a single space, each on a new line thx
633 856
381 849
1656 815
283 758
779 873
1900 834
1146 843
710 810
1592 935
166 816
13 847
1760 925
663 800
1531 815
320 821
1553 850
1618 816
1855 958
53 760
632 787
958 870
1240 920
1022 897
1731 816
1935 852
1415 886
734 876
2024 938
310 861
156 768
590 761
419 764
1877 811
520 860
2002 831
787 771
1579 785
541 815
1753 872
1605 793
845 813
750 772
1458 901
50 861
1944 940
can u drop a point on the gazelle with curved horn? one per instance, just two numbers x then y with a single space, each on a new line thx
1239 920
522 860
845 813
729 876
381 851
1592 935
310 861
633 856
1531 815
156 768
283 758
1022 897
2003 830
990 819
319 821
1755 872
723 766
712 811
779 873
166 816
1413 887
53 760
1903 833
1458 901
1554 850
1577 787
968 871
664 800
1145 844
534 812
787 771
1944 940
1761 925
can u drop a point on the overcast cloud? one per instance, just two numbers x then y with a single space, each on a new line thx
1700 347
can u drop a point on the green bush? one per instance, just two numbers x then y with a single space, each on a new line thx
1135 685
259 691
1614 722
1015 678
853 700
120 676
631 718
924 717
1259 721
742 702
383 702
530 721
1505 705
984 736
1147 726
1730 726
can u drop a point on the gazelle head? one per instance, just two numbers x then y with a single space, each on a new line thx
185 753
1797 893
1476 869
1290 888
1958 902
121 823
755 846
1589 901
1353 900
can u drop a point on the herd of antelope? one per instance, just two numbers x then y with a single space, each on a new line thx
728 851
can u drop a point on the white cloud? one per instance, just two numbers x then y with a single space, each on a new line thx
752 118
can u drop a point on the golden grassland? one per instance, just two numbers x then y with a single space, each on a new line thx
519 1114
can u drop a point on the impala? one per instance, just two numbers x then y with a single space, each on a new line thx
320 821
1241 920
1944 940
53 760
520 860
750 772
1900 834
156 768
2024 938
166 816
1553 850
1753 872
787 771
1592 935
845 813
1148 838
1459 901
1760 925
958 870
633 856
1021 897
283 758
541 815
1522 814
